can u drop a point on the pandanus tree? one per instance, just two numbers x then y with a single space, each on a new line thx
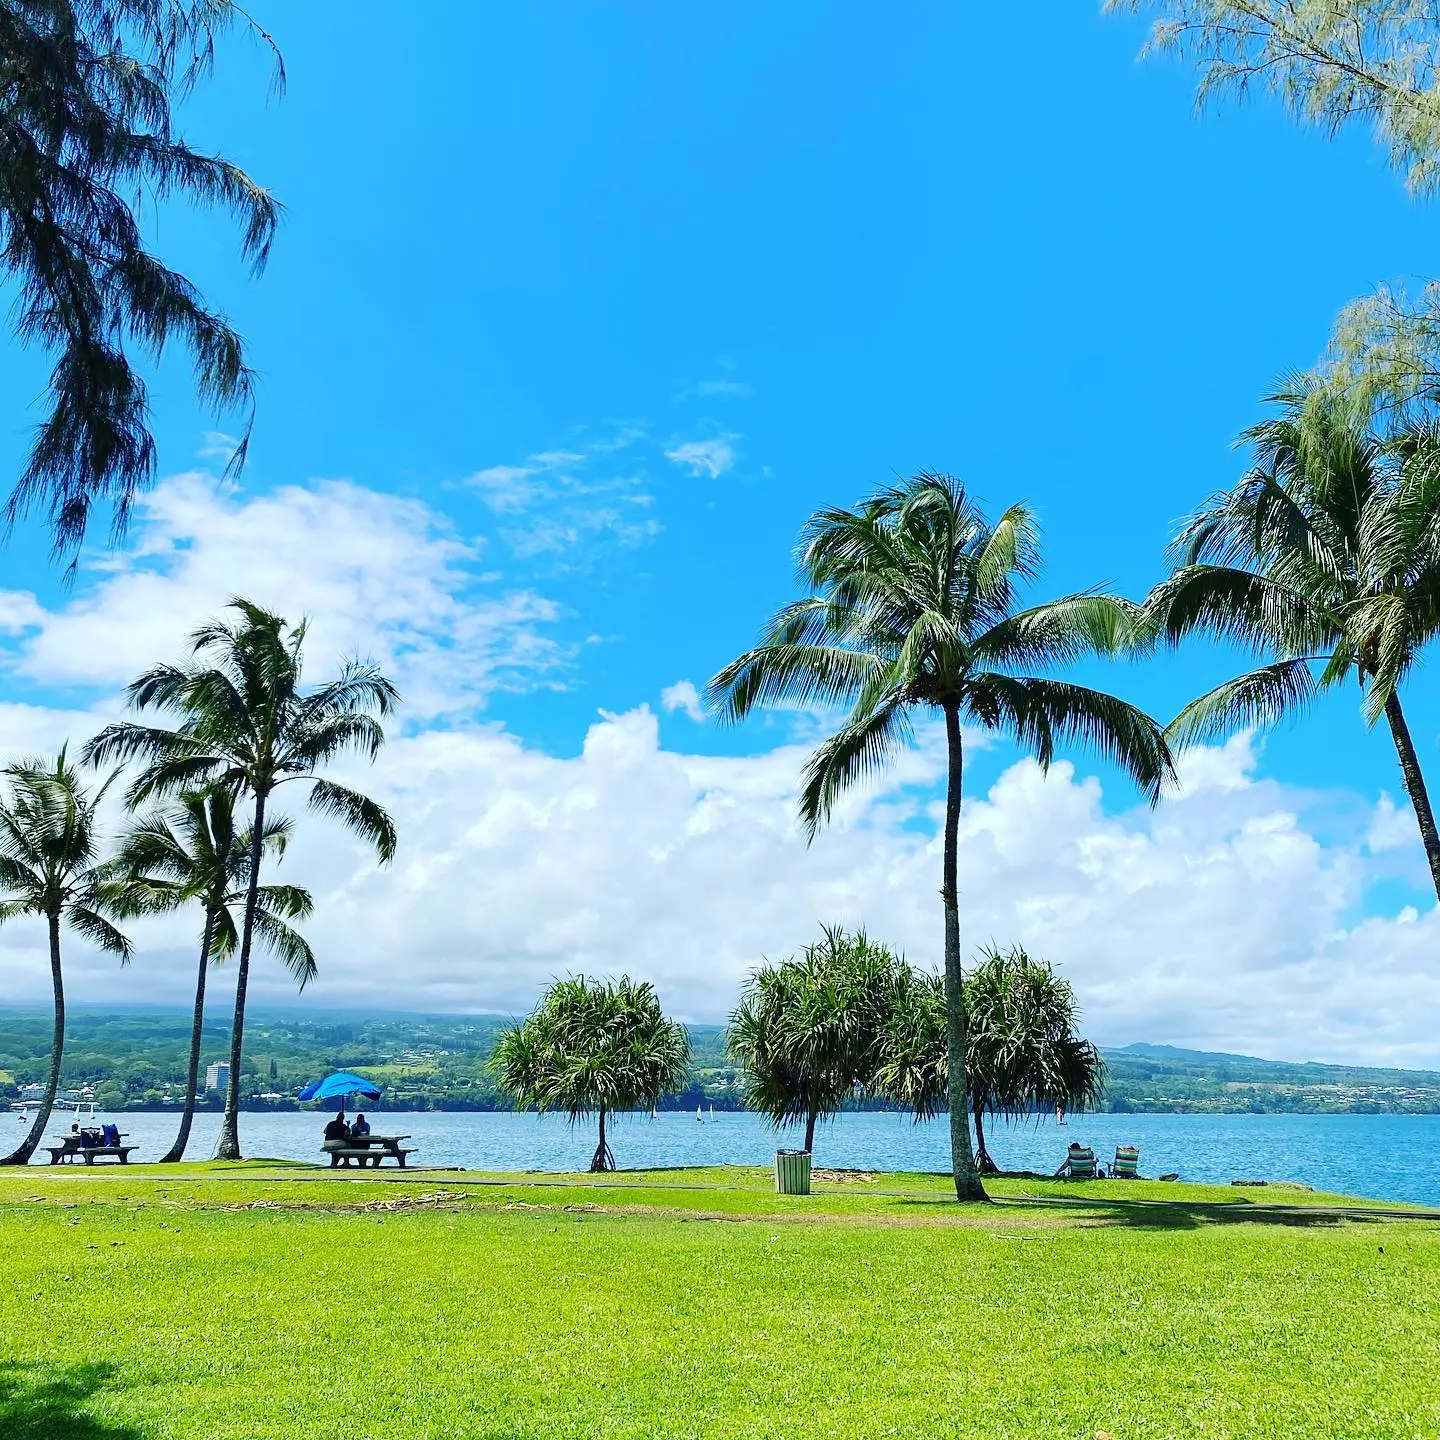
807 1030
1323 561
593 1047
249 724
191 853
86 129
914 606
53 867
1025 1054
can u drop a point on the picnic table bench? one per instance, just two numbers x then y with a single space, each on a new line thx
371 1150
70 1149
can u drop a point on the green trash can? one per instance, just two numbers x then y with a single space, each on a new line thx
792 1172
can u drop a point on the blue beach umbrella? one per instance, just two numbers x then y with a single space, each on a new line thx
339 1085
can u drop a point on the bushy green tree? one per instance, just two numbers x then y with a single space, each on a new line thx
592 1047
249 724
192 853
53 867
1025 1056
806 1031
914 605
86 130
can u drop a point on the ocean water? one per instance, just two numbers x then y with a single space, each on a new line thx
1386 1157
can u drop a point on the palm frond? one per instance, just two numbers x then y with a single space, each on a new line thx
1253 700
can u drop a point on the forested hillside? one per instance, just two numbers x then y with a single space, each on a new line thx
135 1059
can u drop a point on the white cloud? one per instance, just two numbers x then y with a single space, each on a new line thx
683 696
378 575
718 390
705 457
560 500
1221 919
1217 920
1393 827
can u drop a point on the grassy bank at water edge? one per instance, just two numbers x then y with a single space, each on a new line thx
235 1301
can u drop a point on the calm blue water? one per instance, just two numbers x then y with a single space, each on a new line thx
1389 1157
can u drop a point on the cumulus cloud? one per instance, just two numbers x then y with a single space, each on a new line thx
705 457
1232 916
683 696
1217 920
378 575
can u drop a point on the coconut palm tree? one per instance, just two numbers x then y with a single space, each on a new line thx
192 852
593 1047
1025 1054
249 724
1325 561
806 1031
86 129
914 606
52 866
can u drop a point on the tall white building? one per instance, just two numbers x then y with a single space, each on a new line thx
217 1076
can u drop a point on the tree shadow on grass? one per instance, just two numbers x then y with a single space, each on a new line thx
1108 1211
45 1402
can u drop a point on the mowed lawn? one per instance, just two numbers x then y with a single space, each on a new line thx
240 1303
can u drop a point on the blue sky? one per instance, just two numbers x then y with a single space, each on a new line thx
718 265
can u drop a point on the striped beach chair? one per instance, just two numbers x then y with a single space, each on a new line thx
1079 1163
1127 1162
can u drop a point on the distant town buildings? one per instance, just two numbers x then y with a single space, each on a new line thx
217 1076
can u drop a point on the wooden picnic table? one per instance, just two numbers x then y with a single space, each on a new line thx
70 1149
372 1149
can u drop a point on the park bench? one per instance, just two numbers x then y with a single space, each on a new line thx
70 1149
372 1149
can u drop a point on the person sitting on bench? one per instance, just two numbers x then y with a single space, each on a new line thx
361 1125
110 1136
337 1137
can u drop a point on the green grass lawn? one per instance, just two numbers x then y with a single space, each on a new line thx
241 1302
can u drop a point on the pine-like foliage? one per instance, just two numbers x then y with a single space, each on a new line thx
1330 61
592 1047
86 129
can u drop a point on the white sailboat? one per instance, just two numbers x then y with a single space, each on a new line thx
699 1118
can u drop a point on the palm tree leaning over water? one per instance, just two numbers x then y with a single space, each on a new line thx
1324 558
51 866
913 604
248 723
193 852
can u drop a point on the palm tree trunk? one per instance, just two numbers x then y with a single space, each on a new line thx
230 1126
962 1157
57 1047
1414 780
810 1130
192 1080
